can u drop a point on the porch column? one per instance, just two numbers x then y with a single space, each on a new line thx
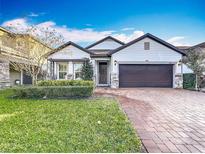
177 75
55 71
70 70
96 72
94 63
50 69
21 77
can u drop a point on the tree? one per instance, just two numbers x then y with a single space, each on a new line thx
34 44
195 60
87 70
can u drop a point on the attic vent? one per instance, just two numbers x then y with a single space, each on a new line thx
146 45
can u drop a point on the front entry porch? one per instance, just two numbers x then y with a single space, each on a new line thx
102 73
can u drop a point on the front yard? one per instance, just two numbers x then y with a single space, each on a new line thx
80 125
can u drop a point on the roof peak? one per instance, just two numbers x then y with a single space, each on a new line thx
65 45
103 39
152 37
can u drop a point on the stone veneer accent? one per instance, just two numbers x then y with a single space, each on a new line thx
4 74
114 80
178 81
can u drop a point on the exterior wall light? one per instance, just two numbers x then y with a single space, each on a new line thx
180 62
115 62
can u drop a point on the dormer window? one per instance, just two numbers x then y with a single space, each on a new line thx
146 45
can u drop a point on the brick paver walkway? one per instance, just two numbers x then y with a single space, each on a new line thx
166 120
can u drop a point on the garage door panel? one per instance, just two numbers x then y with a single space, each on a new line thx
134 75
143 84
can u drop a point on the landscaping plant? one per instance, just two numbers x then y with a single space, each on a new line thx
195 60
87 70
65 83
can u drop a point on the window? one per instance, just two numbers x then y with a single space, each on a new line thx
62 70
77 70
146 45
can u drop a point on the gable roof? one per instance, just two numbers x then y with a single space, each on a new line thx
99 53
5 30
200 45
102 40
183 47
186 49
25 35
151 37
65 45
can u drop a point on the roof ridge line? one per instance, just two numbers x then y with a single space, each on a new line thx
152 37
103 39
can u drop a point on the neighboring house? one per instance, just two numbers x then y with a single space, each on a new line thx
185 49
144 62
13 49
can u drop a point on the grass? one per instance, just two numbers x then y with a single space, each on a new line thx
83 125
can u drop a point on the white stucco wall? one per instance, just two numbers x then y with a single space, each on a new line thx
107 44
157 52
70 52
135 54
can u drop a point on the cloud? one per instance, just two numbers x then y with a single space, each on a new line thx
128 37
85 35
47 24
33 14
20 24
178 41
176 38
127 29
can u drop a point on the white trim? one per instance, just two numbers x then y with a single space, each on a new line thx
98 59
70 67
74 69
145 62
57 70
103 85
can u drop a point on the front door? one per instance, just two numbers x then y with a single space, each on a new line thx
102 72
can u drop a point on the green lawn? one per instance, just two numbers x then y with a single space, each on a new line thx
83 125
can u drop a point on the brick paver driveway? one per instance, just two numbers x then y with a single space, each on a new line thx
166 120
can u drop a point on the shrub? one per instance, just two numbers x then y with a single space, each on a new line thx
53 92
189 81
87 71
65 83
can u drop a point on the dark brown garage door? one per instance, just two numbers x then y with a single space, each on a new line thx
132 75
